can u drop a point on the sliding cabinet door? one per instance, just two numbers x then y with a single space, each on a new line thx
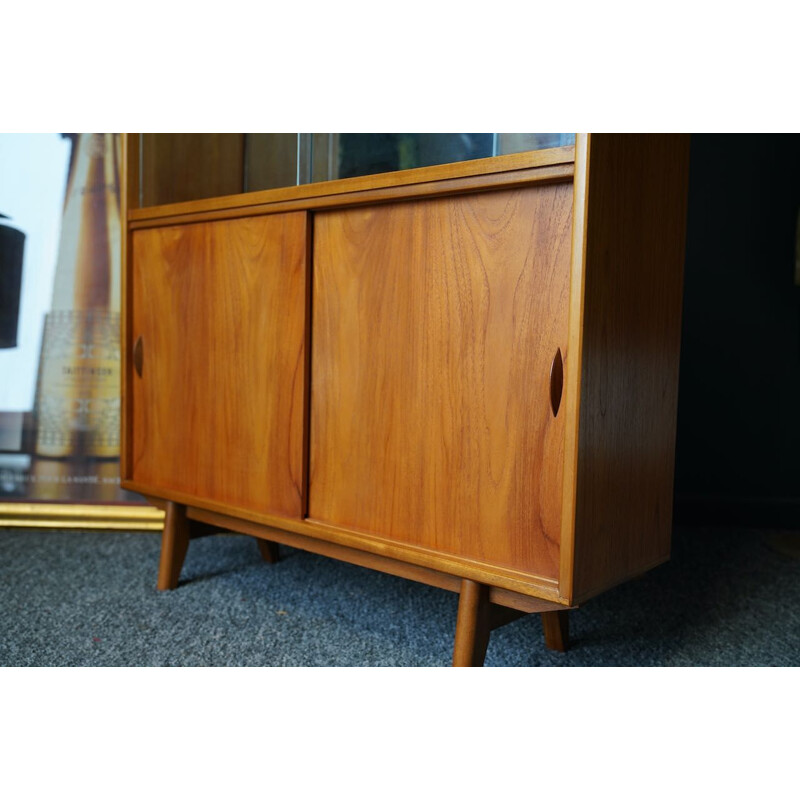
218 361
434 396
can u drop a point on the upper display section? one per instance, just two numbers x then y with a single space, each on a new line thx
177 167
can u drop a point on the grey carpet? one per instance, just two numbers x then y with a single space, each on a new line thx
89 599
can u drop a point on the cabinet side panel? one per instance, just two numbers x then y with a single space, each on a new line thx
218 411
129 198
435 325
636 218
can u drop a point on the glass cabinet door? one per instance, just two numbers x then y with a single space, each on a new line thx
176 167
348 155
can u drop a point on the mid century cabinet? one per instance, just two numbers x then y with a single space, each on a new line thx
462 374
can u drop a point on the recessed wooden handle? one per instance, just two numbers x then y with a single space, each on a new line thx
556 382
138 356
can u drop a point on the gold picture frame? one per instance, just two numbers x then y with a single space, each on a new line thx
80 516
59 338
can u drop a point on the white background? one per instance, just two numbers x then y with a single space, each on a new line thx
33 176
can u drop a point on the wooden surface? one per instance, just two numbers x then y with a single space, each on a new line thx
129 199
634 240
189 166
555 625
174 544
477 617
321 201
535 587
472 625
435 324
572 364
219 410
516 169
301 535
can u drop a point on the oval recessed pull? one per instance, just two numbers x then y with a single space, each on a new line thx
138 356
556 382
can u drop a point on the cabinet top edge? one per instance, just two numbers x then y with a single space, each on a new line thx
494 165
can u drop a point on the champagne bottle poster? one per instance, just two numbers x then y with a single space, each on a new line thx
60 318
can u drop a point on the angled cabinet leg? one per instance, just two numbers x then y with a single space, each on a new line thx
174 544
472 625
556 630
269 551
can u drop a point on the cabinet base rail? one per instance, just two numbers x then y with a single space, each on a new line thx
481 608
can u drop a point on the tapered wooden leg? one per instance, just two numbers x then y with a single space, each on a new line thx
174 544
556 630
472 625
269 551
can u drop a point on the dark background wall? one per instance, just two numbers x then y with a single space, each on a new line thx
738 441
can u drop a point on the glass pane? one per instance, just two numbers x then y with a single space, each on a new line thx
190 166
348 155
521 142
271 160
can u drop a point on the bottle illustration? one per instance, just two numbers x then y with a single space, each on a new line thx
77 403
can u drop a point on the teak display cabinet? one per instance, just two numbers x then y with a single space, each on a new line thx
465 375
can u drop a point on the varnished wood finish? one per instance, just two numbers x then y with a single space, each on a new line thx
477 618
479 613
556 630
189 166
515 582
430 433
472 625
554 163
174 544
269 551
523 603
361 551
572 365
219 410
634 250
129 199
138 356
434 327
321 200
130 186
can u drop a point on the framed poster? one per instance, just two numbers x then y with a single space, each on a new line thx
60 335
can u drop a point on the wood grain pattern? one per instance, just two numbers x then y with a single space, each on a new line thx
635 229
535 588
539 160
393 566
319 199
572 365
434 328
472 625
477 618
219 410
129 199
189 166
555 625
174 545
